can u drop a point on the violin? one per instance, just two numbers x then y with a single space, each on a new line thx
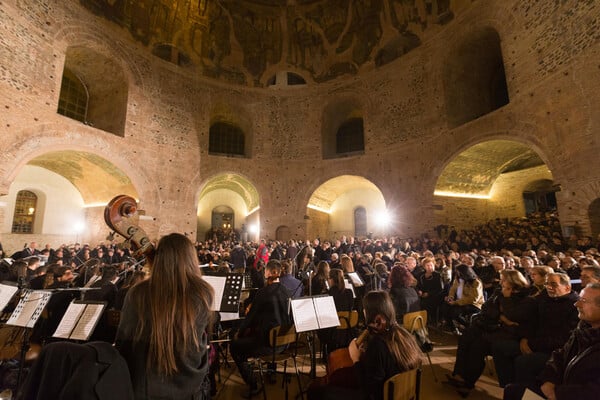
122 217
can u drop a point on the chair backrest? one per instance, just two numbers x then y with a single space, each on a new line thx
403 386
415 320
281 336
348 319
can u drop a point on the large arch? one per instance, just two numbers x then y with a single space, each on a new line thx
238 194
73 188
331 207
488 180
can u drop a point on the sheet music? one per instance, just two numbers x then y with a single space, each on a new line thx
327 316
349 285
218 285
355 279
227 316
68 321
79 320
6 294
84 328
29 309
305 318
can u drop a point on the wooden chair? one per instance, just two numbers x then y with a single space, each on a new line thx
403 386
281 337
415 321
348 324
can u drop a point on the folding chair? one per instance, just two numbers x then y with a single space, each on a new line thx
278 338
403 386
414 321
348 323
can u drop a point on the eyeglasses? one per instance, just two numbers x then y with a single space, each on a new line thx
552 284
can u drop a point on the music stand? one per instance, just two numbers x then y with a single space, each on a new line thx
25 315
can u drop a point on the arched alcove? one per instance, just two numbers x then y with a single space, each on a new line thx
486 181
101 82
283 233
233 195
72 189
332 208
474 78
539 196
342 132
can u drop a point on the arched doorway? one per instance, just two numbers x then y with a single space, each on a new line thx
283 233
345 205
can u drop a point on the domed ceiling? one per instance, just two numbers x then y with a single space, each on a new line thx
248 42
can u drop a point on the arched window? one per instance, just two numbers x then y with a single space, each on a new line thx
360 221
226 139
25 209
74 97
350 137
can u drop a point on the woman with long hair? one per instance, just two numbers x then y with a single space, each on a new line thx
464 299
163 332
319 281
388 350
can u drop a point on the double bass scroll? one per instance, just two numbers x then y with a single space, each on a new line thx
121 216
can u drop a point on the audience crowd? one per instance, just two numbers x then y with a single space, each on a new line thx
506 288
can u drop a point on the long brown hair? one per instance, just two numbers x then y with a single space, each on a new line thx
400 342
174 297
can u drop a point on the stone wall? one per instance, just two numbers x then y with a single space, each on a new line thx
551 57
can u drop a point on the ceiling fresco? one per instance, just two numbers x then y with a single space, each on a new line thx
246 42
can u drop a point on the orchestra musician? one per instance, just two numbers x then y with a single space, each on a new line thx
163 331
387 350
268 309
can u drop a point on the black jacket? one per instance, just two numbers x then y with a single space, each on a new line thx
557 317
575 368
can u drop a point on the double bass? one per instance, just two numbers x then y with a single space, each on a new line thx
122 217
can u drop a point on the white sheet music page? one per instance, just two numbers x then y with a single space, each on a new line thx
29 309
68 321
305 317
349 285
6 293
355 279
218 285
84 328
326 312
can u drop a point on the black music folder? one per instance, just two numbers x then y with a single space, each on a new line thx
228 290
80 320
313 313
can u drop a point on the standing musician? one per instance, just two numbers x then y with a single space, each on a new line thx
163 328
268 309
387 350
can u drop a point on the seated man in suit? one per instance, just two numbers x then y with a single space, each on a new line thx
573 371
269 308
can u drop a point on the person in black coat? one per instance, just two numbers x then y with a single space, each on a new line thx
573 371
402 291
521 359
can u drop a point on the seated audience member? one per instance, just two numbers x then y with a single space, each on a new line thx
389 350
402 291
490 276
430 288
573 370
521 359
507 315
293 285
464 299
590 274
382 276
268 309
537 277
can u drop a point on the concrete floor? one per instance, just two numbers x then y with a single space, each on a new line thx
231 385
